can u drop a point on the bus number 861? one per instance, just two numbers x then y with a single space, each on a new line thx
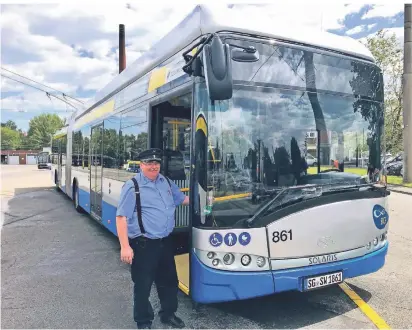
282 236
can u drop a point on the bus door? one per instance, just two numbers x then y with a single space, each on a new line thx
171 132
96 169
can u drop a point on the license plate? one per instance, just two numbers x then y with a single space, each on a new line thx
323 280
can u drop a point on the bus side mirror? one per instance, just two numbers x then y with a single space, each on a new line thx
218 69
245 55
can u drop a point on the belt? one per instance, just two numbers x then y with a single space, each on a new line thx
145 239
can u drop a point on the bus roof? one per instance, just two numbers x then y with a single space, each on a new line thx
204 20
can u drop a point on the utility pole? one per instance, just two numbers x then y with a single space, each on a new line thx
122 48
407 96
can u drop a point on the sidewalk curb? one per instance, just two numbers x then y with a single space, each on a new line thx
401 191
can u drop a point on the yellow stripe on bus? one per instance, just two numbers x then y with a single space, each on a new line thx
225 198
364 307
201 125
157 79
96 113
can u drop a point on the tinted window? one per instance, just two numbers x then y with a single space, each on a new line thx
55 151
111 147
287 66
266 139
85 147
133 140
63 148
77 150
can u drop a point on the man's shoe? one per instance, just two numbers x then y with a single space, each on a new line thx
173 320
144 326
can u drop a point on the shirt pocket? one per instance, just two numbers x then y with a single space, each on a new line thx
168 197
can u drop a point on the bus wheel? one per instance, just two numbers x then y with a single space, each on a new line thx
76 199
56 181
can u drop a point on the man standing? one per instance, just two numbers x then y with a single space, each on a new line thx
145 240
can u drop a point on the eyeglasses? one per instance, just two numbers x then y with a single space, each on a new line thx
151 163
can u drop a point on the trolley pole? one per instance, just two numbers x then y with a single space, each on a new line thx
407 96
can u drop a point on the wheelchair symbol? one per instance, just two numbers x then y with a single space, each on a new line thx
215 239
380 216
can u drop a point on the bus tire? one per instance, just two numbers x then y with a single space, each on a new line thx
76 198
56 181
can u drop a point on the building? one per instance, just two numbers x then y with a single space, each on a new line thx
19 157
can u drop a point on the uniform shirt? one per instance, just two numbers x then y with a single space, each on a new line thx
158 201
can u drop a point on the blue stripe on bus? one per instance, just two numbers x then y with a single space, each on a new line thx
108 211
218 286
109 217
84 200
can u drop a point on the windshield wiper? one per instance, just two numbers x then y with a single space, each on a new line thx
310 192
304 193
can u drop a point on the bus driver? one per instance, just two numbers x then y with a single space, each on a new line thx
145 240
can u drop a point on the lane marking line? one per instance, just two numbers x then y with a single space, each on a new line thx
364 307
183 288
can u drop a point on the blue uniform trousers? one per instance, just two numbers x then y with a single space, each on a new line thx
153 262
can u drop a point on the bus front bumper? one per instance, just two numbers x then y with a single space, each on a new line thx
211 285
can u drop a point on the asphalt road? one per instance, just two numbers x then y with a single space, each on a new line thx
60 269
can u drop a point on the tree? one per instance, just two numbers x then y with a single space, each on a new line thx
41 129
389 57
10 124
10 139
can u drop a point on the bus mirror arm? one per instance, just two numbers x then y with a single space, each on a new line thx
217 64
189 58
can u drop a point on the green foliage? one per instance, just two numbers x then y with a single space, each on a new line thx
42 128
389 57
10 124
10 139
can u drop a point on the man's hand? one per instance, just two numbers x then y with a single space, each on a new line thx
126 254
186 201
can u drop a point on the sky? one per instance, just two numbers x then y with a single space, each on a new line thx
73 46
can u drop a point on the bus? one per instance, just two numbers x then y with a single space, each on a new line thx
245 105
43 160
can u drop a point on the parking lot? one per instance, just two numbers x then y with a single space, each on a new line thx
60 269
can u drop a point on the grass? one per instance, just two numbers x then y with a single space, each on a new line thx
398 180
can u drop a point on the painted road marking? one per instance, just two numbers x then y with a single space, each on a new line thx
364 307
184 288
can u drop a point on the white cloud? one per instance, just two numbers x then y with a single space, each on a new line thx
355 30
384 10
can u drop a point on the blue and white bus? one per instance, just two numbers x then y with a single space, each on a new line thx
242 107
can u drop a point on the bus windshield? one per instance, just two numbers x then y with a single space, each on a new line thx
269 137
43 157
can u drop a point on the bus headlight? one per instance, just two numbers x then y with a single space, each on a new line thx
260 261
233 261
383 236
246 259
228 258
368 246
375 241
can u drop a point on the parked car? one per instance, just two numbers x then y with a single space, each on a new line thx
311 161
394 165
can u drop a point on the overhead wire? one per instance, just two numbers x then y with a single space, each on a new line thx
64 94
42 90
